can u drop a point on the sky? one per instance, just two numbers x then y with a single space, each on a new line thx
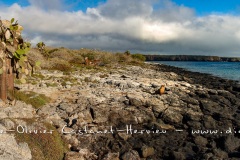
190 27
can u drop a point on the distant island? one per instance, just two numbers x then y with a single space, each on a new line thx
190 58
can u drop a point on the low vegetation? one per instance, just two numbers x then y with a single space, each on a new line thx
43 145
35 99
139 57
64 59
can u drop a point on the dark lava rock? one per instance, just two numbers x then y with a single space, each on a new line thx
190 100
187 151
212 92
200 141
178 156
231 143
202 94
217 110
147 151
221 100
209 106
172 117
209 123
236 88
219 154
131 155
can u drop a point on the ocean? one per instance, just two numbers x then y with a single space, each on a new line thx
228 70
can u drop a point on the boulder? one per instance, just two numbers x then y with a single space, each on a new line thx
147 151
131 155
231 143
136 99
11 150
111 156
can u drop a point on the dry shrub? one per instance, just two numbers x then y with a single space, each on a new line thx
62 53
123 58
77 59
108 58
57 64
94 54
50 50
62 58
139 57
34 55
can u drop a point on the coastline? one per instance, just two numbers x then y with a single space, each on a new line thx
197 116
205 79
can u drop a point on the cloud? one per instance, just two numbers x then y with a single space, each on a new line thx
137 25
50 4
116 9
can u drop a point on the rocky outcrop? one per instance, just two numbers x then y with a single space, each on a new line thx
10 149
121 115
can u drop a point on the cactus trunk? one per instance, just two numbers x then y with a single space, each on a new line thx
3 85
10 79
7 81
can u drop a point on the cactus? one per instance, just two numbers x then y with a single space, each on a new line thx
13 56
41 48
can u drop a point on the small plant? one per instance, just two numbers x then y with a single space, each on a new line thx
52 84
103 76
139 57
36 100
38 75
53 50
41 46
127 53
43 145
90 56
42 49
61 66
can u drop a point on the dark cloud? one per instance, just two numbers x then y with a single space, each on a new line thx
47 4
140 26
125 8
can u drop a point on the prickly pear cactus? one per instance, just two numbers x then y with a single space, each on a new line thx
13 47
13 55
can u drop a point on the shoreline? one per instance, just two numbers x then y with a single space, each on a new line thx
205 79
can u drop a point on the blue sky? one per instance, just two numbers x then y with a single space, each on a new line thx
73 4
202 7
197 27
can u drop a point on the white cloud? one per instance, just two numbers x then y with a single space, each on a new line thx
129 25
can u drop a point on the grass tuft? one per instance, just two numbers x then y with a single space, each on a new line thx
44 146
35 99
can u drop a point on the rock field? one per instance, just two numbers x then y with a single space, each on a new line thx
119 114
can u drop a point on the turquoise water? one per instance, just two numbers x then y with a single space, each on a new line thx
228 70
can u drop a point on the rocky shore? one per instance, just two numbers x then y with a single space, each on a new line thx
118 113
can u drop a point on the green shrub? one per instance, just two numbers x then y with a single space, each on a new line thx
59 64
36 100
90 55
63 54
77 59
127 53
139 57
44 145
123 58
52 50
